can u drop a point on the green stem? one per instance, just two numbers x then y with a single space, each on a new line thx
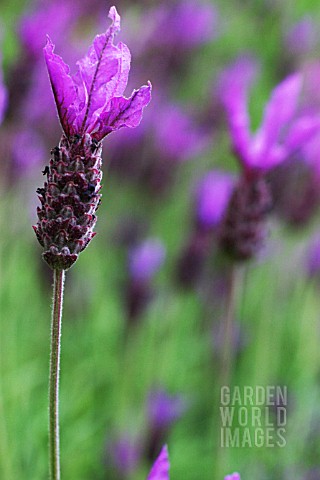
228 329
54 438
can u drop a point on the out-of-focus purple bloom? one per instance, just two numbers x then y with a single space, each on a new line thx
183 24
233 476
27 150
310 155
160 469
164 409
313 258
177 136
49 17
146 259
302 37
3 96
91 99
213 194
125 455
281 132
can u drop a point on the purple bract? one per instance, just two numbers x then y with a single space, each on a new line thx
282 131
91 101
160 469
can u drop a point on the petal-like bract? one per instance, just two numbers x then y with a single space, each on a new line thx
122 112
91 99
282 131
279 111
235 82
160 469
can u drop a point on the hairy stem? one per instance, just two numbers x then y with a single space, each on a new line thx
54 439
228 329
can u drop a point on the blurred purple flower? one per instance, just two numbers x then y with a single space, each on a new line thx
313 257
28 150
183 24
233 476
125 455
311 93
177 136
302 37
146 258
90 100
55 17
160 469
310 155
213 195
281 132
164 409
3 96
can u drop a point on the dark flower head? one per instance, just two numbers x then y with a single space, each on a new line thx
91 101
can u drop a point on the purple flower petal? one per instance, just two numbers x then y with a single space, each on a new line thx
160 469
104 71
233 85
123 112
302 130
64 89
90 100
282 130
279 111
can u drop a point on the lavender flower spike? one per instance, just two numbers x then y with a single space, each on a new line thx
160 469
233 476
90 105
